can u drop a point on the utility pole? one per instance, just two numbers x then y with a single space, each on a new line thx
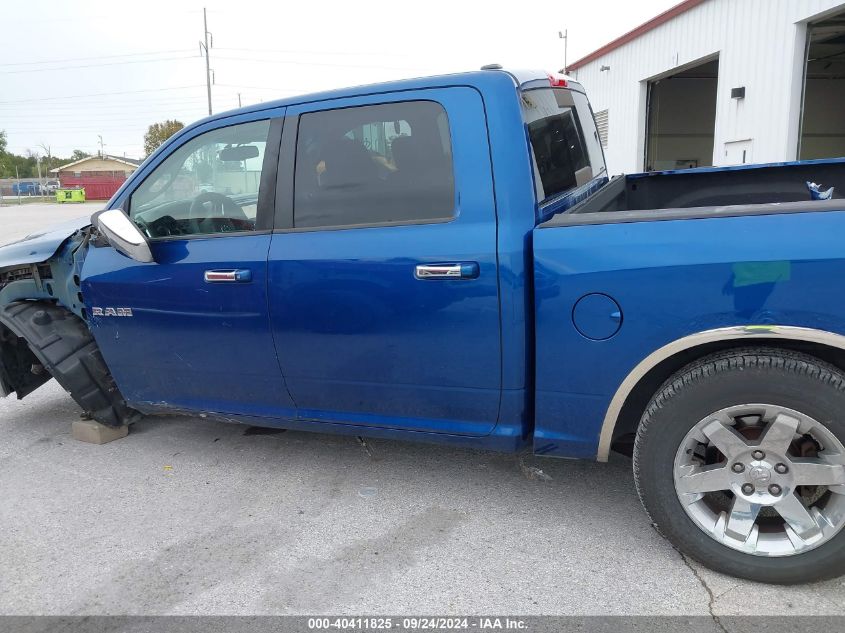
102 153
564 35
239 99
204 46
38 165
49 154
18 178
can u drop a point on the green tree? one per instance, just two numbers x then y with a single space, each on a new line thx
78 154
12 165
158 133
4 142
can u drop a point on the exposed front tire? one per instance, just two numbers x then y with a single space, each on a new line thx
64 346
739 461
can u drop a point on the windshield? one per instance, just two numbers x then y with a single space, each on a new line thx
564 141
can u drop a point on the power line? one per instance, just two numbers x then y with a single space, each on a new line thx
100 94
80 104
88 143
107 116
86 130
80 122
85 59
136 61
104 15
61 127
93 110
271 88
138 118
184 110
119 97
346 53
64 147
330 64
188 107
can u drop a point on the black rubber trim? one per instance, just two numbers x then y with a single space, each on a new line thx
284 180
63 344
267 187
205 236
693 213
605 200
368 225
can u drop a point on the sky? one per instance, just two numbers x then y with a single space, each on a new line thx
71 72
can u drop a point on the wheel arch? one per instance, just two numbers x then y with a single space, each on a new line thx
633 394
58 344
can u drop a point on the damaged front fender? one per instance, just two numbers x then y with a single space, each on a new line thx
56 279
39 247
53 282
20 370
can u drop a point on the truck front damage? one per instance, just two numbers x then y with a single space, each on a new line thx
53 282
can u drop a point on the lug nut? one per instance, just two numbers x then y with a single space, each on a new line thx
774 489
758 454
781 469
738 468
747 489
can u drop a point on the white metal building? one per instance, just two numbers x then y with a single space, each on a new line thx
722 82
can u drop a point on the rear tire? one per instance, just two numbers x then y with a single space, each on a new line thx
713 418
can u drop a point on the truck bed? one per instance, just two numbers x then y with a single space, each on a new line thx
710 192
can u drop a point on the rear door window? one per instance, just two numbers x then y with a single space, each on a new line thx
564 140
370 165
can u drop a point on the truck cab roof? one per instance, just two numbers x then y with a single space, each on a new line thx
519 78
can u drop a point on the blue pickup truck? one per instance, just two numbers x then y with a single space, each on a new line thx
447 260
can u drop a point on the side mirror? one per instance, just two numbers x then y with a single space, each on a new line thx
122 234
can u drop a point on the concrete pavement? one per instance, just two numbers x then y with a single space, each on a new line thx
190 516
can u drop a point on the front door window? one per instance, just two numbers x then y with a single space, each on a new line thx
207 186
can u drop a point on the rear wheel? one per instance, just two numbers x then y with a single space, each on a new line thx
740 462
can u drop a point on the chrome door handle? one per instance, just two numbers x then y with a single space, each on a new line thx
463 270
232 276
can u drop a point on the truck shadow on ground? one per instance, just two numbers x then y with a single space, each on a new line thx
381 454
353 514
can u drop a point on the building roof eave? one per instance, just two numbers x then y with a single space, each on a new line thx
652 24
134 165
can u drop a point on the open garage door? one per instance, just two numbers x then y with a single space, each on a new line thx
823 115
681 118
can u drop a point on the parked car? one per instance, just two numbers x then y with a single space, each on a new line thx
446 260
25 188
49 187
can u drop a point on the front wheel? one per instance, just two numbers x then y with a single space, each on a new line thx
740 462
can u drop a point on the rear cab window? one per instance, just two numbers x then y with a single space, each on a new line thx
566 149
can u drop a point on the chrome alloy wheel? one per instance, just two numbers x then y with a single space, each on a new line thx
762 479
